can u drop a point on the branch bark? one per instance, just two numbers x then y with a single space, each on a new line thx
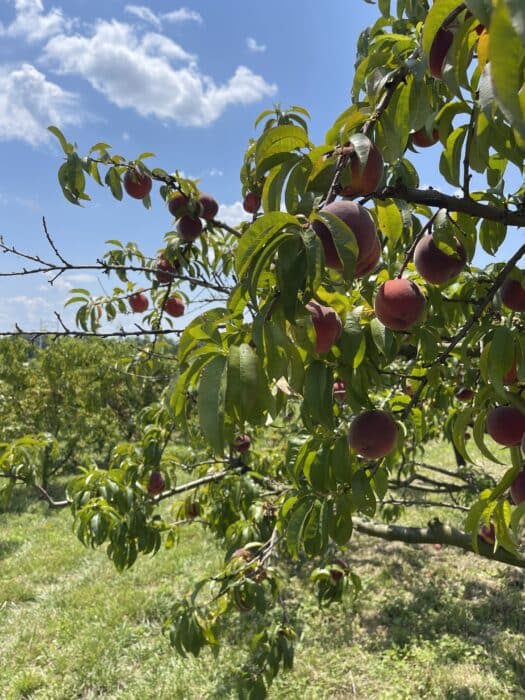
465 205
436 534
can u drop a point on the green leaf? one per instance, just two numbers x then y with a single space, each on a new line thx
258 235
437 14
344 240
318 388
491 235
112 180
314 258
507 61
342 463
291 274
340 522
274 183
450 161
363 497
382 337
461 423
500 356
481 9
516 10
66 147
277 145
296 523
210 402
248 396
479 432
389 219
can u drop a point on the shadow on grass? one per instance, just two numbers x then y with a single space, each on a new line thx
8 547
430 599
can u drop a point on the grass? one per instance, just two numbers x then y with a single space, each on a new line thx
429 623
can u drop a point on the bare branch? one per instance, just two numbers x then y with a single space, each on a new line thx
52 243
436 533
466 205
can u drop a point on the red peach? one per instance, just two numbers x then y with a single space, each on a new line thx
506 425
399 304
373 434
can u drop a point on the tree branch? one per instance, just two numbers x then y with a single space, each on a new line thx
465 205
425 504
437 533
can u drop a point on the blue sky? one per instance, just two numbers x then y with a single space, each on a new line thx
183 81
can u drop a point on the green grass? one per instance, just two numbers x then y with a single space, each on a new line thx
429 623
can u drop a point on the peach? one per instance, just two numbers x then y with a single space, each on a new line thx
506 425
422 139
399 304
436 266
156 483
438 51
242 443
365 178
513 292
327 325
251 203
373 434
209 207
138 302
166 270
512 375
339 391
517 489
174 306
357 218
488 533
189 228
177 204
464 394
137 184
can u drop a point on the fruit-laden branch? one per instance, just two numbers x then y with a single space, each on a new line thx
395 79
436 533
465 205
191 485
478 312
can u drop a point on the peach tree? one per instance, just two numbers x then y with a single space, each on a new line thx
347 328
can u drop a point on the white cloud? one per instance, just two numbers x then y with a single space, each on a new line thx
182 15
252 45
30 312
29 102
135 72
158 45
233 214
215 172
147 15
33 24
143 13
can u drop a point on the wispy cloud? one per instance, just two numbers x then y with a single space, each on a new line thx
146 14
253 46
143 13
182 15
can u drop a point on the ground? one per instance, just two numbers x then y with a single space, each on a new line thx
429 623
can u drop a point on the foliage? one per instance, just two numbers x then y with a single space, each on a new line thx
454 71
